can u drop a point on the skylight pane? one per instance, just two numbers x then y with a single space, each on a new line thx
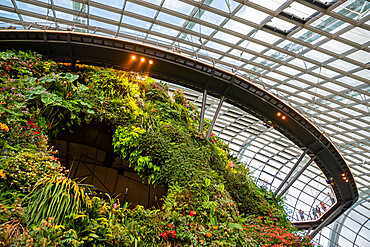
270 4
266 37
325 72
343 65
354 9
200 29
209 17
329 24
226 6
226 37
360 56
251 14
139 9
170 19
336 46
281 24
217 46
104 13
238 27
9 15
357 35
300 10
164 30
308 36
34 8
317 56
103 25
177 6
135 22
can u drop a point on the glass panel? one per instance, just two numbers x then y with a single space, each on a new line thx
252 15
357 34
217 46
317 56
360 56
135 22
209 17
139 9
308 36
170 19
224 5
34 8
300 10
252 46
226 37
325 72
266 37
343 65
238 27
354 9
164 30
336 46
9 15
7 3
177 6
200 28
103 25
329 24
104 13
270 4
281 24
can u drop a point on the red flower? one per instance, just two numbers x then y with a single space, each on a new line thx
193 213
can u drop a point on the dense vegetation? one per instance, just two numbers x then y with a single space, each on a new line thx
211 200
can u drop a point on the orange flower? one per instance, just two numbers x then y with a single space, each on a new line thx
215 227
209 235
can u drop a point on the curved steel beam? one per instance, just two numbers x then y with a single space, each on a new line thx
173 67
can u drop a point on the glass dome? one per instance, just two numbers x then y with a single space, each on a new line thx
314 55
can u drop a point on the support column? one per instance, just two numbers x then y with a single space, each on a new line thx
297 176
291 171
201 121
215 118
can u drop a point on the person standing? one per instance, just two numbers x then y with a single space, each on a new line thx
318 210
314 212
301 214
323 206
331 198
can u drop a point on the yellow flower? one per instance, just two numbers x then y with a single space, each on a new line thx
4 127
2 174
215 227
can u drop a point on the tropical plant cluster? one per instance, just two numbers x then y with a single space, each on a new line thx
211 200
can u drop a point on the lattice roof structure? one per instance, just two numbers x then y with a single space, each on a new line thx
314 55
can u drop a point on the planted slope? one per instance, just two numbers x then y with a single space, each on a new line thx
211 199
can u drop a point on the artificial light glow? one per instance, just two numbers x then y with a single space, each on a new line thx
142 59
133 57
344 178
347 181
279 114
283 117
150 61
343 174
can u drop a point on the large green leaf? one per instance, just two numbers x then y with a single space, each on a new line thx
71 77
34 92
49 98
